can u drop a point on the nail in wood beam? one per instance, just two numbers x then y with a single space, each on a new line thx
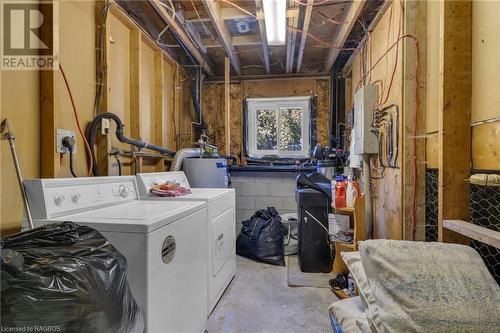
455 77
263 35
214 12
182 34
343 32
303 38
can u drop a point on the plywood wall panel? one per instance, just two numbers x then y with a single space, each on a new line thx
213 107
432 72
146 96
236 100
277 88
486 146
19 103
168 104
387 195
213 111
485 60
77 56
322 89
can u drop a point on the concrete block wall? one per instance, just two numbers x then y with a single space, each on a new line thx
259 190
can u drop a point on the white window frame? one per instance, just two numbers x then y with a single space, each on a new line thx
275 103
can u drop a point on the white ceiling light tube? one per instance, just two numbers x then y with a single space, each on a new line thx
275 20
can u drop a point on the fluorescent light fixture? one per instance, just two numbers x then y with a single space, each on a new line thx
275 19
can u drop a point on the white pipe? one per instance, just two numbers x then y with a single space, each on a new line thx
183 154
368 196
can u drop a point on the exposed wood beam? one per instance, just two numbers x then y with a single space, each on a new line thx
291 38
49 105
263 34
455 81
345 29
303 38
135 49
159 116
183 35
227 105
214 12
415 18
236 40
232 14
257 77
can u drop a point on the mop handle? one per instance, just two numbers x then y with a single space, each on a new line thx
10 137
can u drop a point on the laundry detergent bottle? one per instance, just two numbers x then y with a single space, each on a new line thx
353 191
340 192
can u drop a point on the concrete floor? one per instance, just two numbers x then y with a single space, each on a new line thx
259 300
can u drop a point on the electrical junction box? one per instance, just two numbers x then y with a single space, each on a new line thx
364 140
60 135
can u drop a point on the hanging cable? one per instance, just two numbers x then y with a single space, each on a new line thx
87 146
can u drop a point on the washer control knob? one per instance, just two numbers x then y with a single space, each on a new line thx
58 199
76 197
123 190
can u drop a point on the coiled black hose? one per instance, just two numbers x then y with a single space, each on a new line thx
91 129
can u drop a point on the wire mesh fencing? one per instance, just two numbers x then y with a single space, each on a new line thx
485 212
431 205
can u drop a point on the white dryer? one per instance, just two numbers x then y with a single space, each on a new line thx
164 242
221 226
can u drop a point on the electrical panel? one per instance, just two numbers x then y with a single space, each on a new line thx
364 140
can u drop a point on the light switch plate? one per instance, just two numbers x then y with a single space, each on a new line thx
60 135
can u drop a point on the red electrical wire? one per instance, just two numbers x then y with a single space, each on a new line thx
323 43
321 3
87 147
239 8
326 18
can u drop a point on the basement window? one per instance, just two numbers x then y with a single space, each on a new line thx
278 127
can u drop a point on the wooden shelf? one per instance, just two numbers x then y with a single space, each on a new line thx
487 236
344 210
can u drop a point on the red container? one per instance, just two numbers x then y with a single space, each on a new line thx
340 193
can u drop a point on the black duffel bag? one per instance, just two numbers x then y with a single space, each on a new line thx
261 238
65 278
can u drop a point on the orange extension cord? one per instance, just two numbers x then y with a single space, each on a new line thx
87 147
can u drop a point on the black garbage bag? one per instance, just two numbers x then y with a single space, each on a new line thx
261 238
65 277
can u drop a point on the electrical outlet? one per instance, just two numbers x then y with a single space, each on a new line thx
60 135
104 126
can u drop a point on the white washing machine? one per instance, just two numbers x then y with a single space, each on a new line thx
221 226
164 242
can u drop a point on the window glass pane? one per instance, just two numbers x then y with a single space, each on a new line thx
290 129
267 136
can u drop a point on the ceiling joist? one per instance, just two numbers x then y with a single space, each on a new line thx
236 40
263 35
291 41
214 12
305 30
182 34
229 13
344 30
